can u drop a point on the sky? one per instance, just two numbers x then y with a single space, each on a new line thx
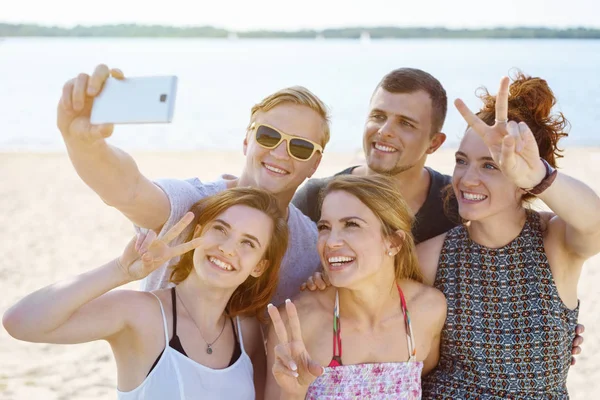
243 15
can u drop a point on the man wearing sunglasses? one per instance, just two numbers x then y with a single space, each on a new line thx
283 145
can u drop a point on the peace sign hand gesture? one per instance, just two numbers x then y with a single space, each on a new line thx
512 145
294 370
144 255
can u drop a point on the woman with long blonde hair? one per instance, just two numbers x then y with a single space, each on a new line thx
391 320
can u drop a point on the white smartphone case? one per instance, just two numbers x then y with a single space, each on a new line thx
135 101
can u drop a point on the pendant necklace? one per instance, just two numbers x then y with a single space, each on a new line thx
209 349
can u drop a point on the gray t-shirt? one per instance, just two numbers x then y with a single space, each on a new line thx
301 259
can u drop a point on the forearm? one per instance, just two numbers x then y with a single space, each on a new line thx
575 203
107 170
47 309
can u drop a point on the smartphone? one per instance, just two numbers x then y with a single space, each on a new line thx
137 100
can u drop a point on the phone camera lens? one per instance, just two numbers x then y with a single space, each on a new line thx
163 98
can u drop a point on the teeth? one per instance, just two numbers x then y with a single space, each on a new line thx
334 260
276 170
386 149
221 264
474 196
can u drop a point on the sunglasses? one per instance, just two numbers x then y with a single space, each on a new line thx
299 148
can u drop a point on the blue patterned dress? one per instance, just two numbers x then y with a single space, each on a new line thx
508 335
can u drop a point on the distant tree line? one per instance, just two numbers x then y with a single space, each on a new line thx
134 30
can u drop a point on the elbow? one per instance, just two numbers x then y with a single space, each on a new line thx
14 324
10 322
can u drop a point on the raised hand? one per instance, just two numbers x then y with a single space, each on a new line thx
294 370
511 144
75 106
145 253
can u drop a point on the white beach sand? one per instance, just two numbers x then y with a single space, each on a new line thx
53 227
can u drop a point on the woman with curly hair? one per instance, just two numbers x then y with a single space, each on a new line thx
510 273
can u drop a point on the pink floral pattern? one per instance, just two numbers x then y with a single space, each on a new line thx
398 381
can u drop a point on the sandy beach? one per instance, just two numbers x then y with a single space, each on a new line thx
54 226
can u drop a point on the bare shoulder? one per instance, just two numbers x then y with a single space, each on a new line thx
144 308
428 253
134 301
423 298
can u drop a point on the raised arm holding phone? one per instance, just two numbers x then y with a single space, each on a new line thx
283 145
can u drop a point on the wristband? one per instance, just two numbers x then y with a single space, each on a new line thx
546 182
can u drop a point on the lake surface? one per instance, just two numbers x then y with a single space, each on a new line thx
219 81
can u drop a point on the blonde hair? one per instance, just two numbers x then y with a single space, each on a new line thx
295 95
380 195
252 296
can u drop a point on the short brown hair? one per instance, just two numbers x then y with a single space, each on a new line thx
410 80
252 296
295 95
381 196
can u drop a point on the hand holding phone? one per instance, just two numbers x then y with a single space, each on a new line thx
135 100
122 101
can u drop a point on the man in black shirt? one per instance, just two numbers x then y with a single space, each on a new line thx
404 125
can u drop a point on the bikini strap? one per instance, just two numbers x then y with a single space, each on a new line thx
412 350
164 318
336 360
174 302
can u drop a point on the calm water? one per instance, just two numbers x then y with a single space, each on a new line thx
219 80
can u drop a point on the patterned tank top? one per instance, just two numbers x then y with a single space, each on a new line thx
390 380
507 334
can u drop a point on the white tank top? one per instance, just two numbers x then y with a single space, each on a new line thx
176 376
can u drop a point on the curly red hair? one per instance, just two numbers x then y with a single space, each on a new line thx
530 100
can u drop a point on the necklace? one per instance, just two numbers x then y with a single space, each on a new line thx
209 349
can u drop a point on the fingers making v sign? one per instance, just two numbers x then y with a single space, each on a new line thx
145 254
294 370
512 145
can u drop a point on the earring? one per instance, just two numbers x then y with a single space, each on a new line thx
390 253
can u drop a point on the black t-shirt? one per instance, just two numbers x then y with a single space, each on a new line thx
430 221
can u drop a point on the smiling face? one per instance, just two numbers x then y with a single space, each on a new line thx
233 247
351 242
398 133
274 169
480 187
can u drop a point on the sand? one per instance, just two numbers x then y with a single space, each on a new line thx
53 226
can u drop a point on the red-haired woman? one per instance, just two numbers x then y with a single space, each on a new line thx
509 273
239 239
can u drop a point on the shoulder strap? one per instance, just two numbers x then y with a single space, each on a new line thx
336 360
412 350
162 311
174 303
240 336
